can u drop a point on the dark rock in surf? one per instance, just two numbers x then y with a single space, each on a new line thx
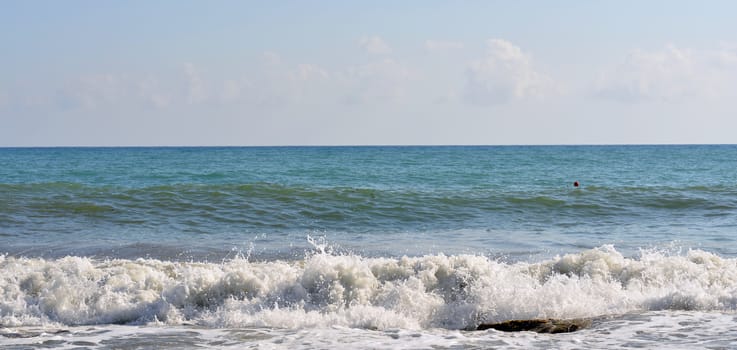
540 326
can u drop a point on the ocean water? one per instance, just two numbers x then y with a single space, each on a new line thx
367 247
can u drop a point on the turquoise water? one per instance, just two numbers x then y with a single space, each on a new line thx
512 201
366 247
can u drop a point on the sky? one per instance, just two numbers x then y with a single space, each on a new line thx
253 73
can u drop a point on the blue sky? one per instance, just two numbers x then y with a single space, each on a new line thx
381 72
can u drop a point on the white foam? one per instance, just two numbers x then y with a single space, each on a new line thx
327 290
659 329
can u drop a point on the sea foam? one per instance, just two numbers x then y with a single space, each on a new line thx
326 290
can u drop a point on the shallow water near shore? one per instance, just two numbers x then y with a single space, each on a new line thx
674 330
367 247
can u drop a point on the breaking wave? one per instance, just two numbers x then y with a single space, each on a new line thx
327 289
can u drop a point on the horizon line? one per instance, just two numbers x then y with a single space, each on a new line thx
376 145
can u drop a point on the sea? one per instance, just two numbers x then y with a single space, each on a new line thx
375 247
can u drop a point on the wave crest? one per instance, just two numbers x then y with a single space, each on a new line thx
325 289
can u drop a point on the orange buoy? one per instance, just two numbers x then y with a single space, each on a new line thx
575 183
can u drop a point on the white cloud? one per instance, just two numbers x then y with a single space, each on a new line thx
94 91
231 91
383 80
308 83
196 90
505 74
276 84
671 74
108 90
270 83
151 93
307 72
442 45
375 45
